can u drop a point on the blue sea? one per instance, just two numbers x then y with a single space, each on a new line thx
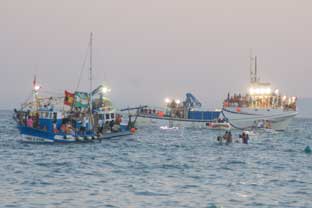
158 168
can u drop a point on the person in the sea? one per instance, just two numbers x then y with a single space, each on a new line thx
225 136
245 138
242 136
219 139
228 137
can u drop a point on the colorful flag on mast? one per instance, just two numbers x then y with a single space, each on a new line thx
81 99
69 98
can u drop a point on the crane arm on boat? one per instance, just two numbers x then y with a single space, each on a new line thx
192 101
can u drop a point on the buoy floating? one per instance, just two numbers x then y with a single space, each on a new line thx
308 150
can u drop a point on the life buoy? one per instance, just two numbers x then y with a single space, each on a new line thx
238 110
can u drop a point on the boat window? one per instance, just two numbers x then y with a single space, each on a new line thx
107 116
46 115
112 116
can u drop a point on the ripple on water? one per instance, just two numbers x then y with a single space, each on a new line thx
158 169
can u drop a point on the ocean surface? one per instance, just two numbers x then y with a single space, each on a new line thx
158 168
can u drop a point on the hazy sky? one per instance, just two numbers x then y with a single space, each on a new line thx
147 50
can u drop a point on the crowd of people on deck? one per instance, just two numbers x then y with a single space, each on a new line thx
27 118
82 125
172 112
270 101
152 112
75 122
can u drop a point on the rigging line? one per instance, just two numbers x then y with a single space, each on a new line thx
82 68
48 98
28 98
52 92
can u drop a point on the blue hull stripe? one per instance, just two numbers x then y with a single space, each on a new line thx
45 135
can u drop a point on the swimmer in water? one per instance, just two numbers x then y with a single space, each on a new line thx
245 138
219 139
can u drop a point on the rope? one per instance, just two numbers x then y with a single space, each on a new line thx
81 70
26 100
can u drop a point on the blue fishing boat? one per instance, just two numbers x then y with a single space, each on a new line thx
51 125
74 117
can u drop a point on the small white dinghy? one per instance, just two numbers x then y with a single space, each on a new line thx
219 126
169 128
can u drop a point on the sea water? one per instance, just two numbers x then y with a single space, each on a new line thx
158 168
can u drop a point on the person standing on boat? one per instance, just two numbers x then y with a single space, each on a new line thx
30 122
83 125
100 125
35 119
111 124
54 127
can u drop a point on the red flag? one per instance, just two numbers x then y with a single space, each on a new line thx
69 98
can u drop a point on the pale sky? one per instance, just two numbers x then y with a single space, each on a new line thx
148 50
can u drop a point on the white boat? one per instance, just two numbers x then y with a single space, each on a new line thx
261 107
219 126
277 119
188 113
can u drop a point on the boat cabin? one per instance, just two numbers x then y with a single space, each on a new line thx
47 118
106 116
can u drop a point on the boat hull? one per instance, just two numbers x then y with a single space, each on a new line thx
219 126
246 118
144 120
39 136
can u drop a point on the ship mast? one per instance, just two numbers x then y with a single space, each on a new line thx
253 69
35 92
90 92
256 72
91 42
